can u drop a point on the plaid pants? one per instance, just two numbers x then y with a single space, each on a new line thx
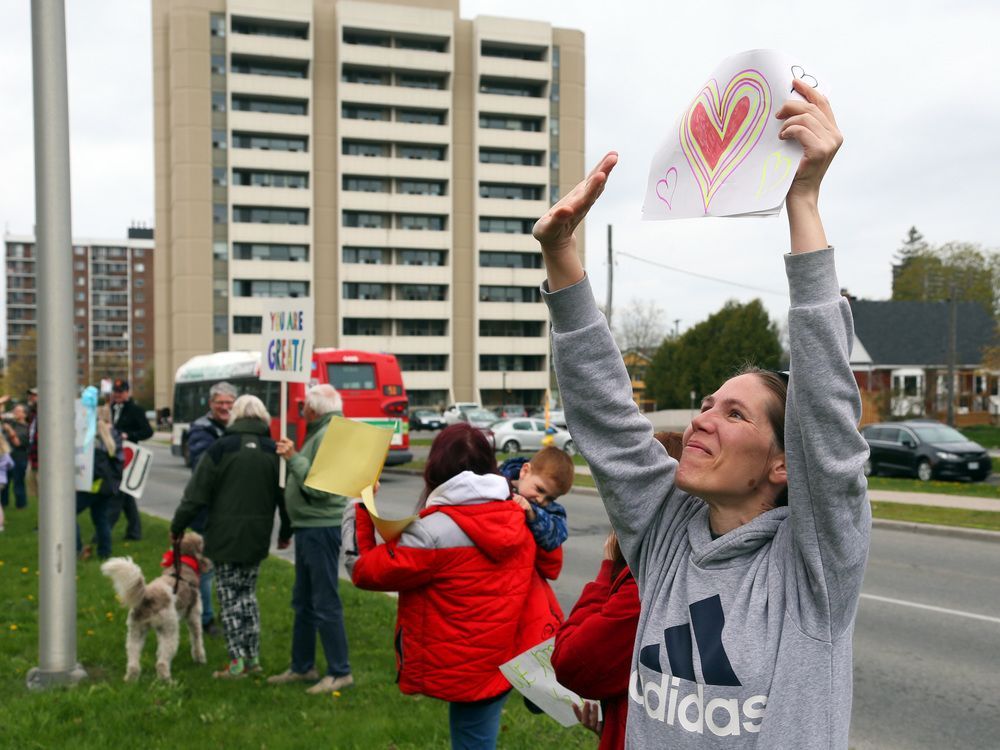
238 608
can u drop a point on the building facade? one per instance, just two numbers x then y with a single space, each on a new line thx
387 159
113 302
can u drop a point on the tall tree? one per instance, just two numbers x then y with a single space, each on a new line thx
640 326
932 274
711 351
22 366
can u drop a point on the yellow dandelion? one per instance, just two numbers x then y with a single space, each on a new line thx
1 562
90 632
336 693
13 626
30 598
24 570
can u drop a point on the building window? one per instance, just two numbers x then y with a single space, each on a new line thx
422 362
140 312
269 288
81 312
79 266
362 290
81 281
76 251
420 187
81 296
218 63
267 178
246 324
364 112
366 148
511 88
512 328
275 105
366 219
140 343
219 139
365 76
271 27
367 38
423 44
421 257
269 215
517 158
366 255
218 101
503 225
421 222
422 292
365 184
266 251
509 294
511 51
511 122
422 81
366 327
419 327
554 94
219 213
501 259
267 142
219 176
412 151
422 116
510 192
219 251
140 327
140 297
139 283
511 362
217 23
269 66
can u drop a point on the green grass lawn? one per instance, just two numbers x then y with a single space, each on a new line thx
975 519
196 711
902 484
987 436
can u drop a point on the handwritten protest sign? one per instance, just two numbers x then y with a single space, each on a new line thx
137 463
85 424
532 674
349 462
723 157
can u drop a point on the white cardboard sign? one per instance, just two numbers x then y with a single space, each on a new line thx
532 674
287 337
138 461
85 422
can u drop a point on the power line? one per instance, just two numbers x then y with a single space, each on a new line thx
701 275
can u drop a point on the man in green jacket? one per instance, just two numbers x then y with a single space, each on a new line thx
315 518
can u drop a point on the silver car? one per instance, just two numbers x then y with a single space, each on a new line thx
514 435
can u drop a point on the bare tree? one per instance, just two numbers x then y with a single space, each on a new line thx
640 326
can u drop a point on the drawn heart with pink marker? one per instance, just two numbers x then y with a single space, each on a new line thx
129 455
666 187
721 128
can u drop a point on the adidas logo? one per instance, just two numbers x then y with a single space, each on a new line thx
663 699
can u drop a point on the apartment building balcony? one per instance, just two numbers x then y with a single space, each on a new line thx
518 105
402 238
522 243
394 308
408 60
399 132
268 122
396 202
510 276
398 344
512 345
524 140
270 269
512 311
513 379
254 158
395 274
253 195
251 83
418 380
393 167
259 45
505 67
397 96
291 234
509 208
514 173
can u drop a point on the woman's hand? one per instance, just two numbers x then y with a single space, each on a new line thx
588 717
555 230
812 124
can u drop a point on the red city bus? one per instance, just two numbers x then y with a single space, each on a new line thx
370 384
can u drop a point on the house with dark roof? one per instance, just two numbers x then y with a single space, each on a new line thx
900 358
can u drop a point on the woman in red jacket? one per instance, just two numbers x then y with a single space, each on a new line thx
593 652
463 571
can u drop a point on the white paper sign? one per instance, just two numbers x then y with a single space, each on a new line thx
723 157
83 449
287 340
533 676
138 461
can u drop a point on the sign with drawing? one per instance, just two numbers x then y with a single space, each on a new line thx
137 463
532 674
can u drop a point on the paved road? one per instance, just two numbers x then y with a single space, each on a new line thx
927 642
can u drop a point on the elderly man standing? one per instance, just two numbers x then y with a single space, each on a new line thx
315 518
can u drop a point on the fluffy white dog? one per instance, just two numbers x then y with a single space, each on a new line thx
155 605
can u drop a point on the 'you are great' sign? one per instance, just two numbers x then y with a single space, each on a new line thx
287 340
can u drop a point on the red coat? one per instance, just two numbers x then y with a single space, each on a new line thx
593 652
464 572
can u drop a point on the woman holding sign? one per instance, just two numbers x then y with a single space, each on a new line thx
463 571
748 552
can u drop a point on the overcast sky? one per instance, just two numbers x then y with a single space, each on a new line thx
914 86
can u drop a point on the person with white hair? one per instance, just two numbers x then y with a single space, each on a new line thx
315 518
237 481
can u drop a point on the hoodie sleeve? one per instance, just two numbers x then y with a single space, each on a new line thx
389 566
549 526
825 453
632 471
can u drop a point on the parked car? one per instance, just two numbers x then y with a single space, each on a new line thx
452 415
426 419
925 449
512 410
481 418
514 435
556 417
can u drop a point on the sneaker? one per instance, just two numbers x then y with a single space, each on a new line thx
253 666
211 629
330 683
234 671
289 676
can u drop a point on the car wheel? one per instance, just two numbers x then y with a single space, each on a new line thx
924 472
570 448
511 446
870 468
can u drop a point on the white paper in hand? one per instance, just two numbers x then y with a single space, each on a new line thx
723 157
532 674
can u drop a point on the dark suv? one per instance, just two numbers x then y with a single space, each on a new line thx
925 449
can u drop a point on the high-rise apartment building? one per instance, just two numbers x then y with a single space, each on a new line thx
112 305
386 158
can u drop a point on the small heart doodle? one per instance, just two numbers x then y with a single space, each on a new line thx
668 187
799 72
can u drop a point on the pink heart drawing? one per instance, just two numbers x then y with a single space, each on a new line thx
668 187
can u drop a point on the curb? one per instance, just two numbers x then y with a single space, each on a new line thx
959 532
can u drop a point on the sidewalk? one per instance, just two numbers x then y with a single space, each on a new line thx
909 498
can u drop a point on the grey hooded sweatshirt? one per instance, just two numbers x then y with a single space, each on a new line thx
744 641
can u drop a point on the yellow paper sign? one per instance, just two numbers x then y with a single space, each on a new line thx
350 457
349 462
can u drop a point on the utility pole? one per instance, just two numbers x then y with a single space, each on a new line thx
677 327
952 345
611 276
57 663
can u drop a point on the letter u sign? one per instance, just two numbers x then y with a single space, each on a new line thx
137 472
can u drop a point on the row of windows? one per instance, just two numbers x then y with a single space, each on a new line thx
512 328
269 251
511 362
510 87
502 259
384 256
270 215
262 141
504 225
511 156
268 178
269 288
403 186
275 105
422 362
379 113
264 27
380 291
384 77
511 191
372 38
265 66
512 51
384 220
511 122
384 327
385 150
489 293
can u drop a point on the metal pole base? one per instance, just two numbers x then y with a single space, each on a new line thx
39 680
